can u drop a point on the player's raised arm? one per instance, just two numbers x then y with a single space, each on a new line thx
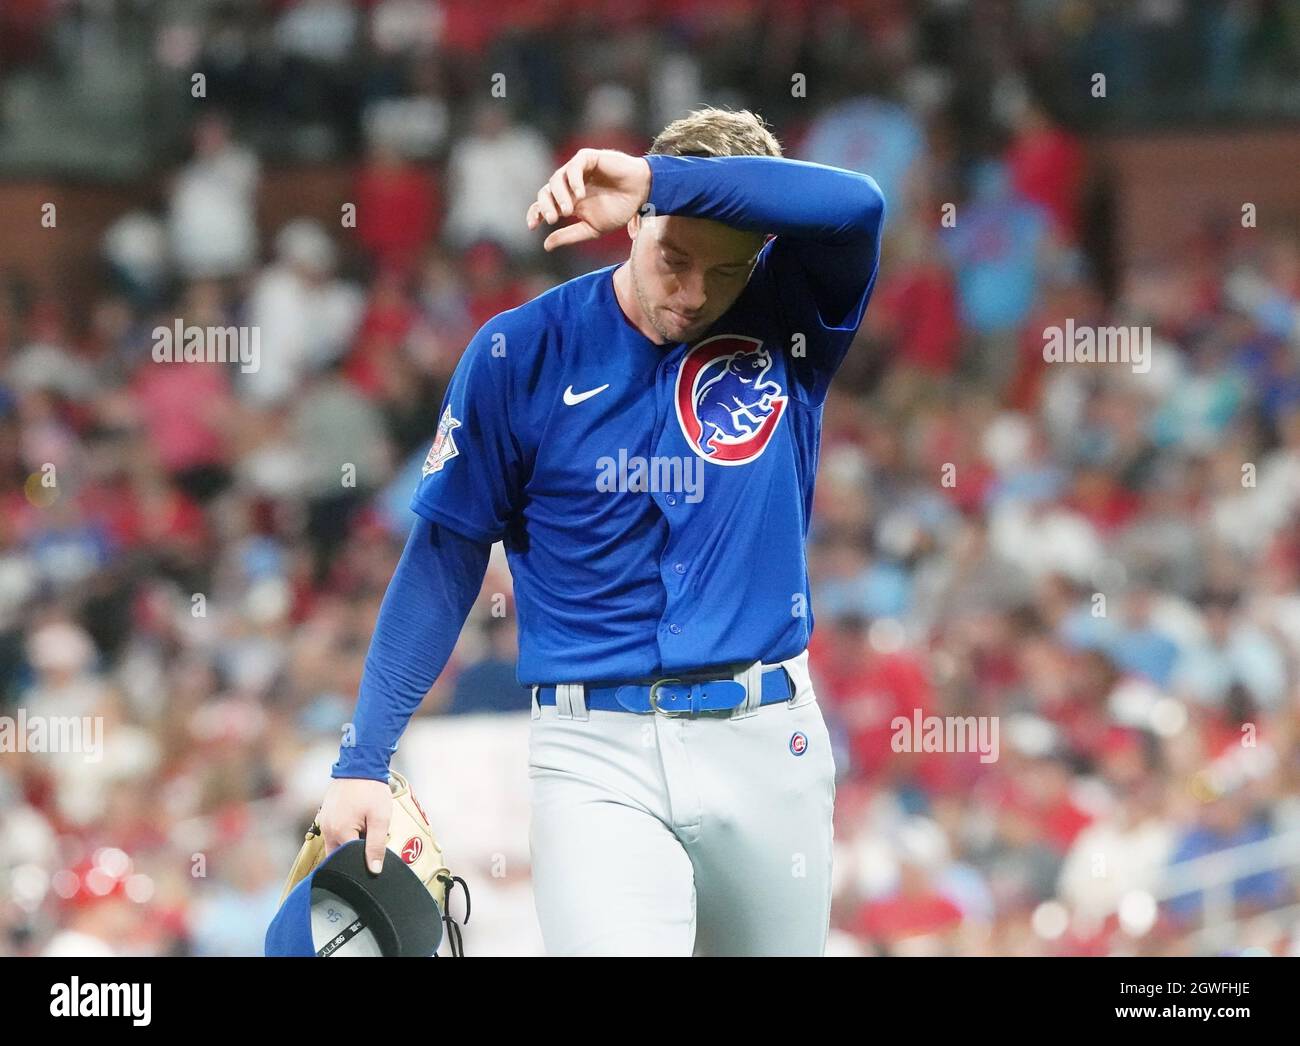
827 221
771 194
602 188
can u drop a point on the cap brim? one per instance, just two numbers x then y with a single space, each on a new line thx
394 906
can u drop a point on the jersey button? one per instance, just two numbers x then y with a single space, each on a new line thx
680 568
675 629
671 500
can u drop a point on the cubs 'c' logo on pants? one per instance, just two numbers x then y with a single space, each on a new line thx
727 405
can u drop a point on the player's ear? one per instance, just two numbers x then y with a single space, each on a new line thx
633 226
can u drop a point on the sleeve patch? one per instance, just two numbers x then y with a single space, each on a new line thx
444 444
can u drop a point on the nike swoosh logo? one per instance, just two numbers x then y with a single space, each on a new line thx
572 398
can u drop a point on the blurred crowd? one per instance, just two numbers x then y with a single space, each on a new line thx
1103 561
314 79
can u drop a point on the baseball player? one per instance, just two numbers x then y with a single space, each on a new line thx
644 441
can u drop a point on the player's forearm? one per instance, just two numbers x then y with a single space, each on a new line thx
805 201
430 595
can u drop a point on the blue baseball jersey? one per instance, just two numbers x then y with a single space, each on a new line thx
654 499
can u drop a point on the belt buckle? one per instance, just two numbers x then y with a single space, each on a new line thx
654 698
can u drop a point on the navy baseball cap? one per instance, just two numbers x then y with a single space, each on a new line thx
344 910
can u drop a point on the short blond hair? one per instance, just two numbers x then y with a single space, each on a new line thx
717 132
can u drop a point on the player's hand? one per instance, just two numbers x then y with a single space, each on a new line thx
602 188
353 806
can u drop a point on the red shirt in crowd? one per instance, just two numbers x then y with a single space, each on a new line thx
1047 166
907 915
397 204
918 309
182 406
388 320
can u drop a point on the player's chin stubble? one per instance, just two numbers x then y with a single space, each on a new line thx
647 310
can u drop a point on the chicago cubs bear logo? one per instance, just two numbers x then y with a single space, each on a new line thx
727 405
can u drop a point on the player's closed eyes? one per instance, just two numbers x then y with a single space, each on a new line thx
679 264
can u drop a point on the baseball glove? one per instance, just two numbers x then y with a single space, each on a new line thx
410 836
